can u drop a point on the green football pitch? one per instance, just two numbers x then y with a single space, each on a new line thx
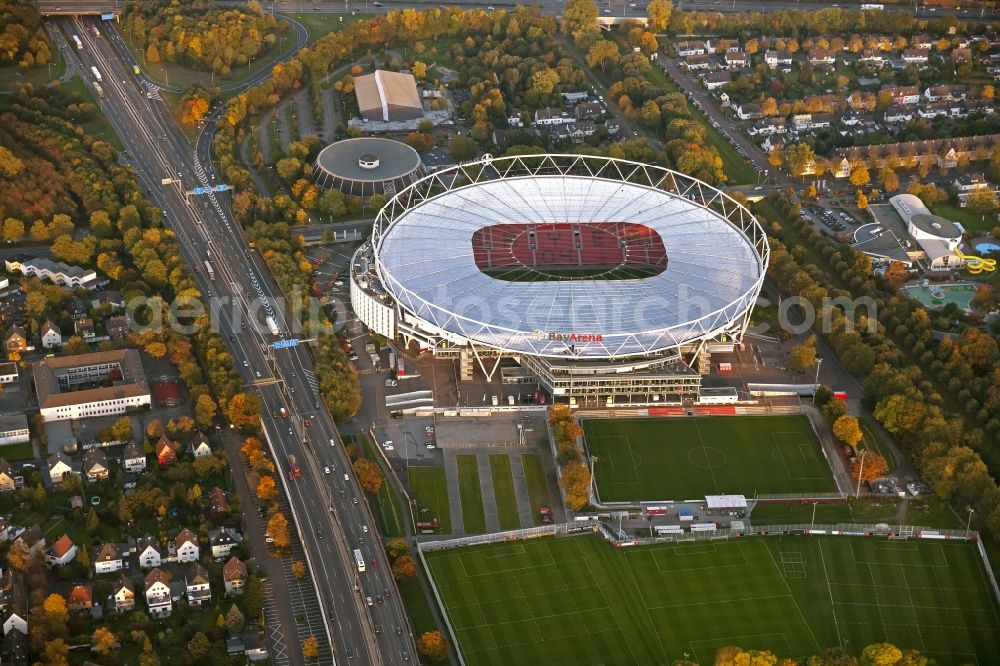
579 600
688 457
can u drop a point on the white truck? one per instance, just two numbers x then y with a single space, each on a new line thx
97 74
273 326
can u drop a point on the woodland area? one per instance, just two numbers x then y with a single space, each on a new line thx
22 38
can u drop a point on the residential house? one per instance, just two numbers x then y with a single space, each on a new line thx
85 328
822 57
149 552
61 552
922 42
942 110
915 56
234 576
690 48
158 593
76 307
575 96
588 111
9 482
777 59
108 299
116 327
15 340
904 95
15 614
165 454
961 55
967 184
186 545
810 121
200 446
980 106
945 93
33 540
199 589
943 153
51 335
223 541
133 458
95 465
696 62
8 373
767 127
218 503
107 559
14 429
514 118
552 116
748 111
736 59
898 114
872 57
80 598
124 594
714 80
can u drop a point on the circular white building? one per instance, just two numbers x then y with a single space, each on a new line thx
368 165
606 280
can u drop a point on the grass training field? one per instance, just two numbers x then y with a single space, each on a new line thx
684 458
579 600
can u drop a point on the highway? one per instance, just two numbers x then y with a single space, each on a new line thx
330 511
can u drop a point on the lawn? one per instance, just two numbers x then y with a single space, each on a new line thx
386 506
429 489
680 458
582 601
503 491
12 75
473 514
99 127
968 219
18 451
538 487
318 24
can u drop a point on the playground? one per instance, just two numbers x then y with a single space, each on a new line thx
936 296
676 458
579 600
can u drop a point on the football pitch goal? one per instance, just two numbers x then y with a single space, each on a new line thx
579 600
688 457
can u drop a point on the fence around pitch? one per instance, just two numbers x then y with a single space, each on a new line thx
609 534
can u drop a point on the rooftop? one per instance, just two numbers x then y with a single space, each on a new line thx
55 387
395 159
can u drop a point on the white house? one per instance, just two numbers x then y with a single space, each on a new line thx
898 114
61 552
51 335
775 59
108 559
967 184
198 589
915 56
690 48
54 271
124 594
234 576
15 616
200 447
59 466
149 552
552 117
714 80
736 59
133 458
223 541
158 593
186 545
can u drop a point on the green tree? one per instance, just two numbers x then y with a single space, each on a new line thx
122 429
93 521
462 148
198 647
235 620
800 159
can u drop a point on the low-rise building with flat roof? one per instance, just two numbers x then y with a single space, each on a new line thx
54 271
14 429
96 384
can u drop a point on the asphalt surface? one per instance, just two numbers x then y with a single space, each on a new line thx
330 524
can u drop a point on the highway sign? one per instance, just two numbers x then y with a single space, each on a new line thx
107 17
221 188
282 344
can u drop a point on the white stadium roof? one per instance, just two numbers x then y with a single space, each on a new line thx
714 270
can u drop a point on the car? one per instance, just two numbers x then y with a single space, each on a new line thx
378 627
306 422
404 655
350 652
354 500
429 429
319 533
430 446
258 374
339 283
334 290
389 447
364 528
326 469
399 630
246 364
375 564
290 431
378 597
316 262
391 383
347 477
369 601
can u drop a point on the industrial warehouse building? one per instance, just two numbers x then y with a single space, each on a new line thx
388 96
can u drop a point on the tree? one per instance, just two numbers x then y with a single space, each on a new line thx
803 355
800 159
432 644
847 430
403 569
604 52
266 489
204 411
55 653
889 179
860 176
153 53
659 14
579 20
235 620
861 201
369 475
56 612
154 429
122 429
13 230
775 157
93 521
396 547
419 141
881 654
277 528
310 648
198 647
299 569
103 642
870 466
462 148
575 482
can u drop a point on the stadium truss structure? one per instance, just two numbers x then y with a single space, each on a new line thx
575 266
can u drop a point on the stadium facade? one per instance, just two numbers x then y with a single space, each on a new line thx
606 282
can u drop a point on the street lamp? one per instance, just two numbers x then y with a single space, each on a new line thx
819 362
813 523
968 522
861 470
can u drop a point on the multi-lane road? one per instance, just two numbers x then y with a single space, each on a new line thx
329 510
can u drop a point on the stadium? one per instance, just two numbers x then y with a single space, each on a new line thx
602 280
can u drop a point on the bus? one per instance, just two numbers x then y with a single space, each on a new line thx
97 74
79 44
359 559
872 7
